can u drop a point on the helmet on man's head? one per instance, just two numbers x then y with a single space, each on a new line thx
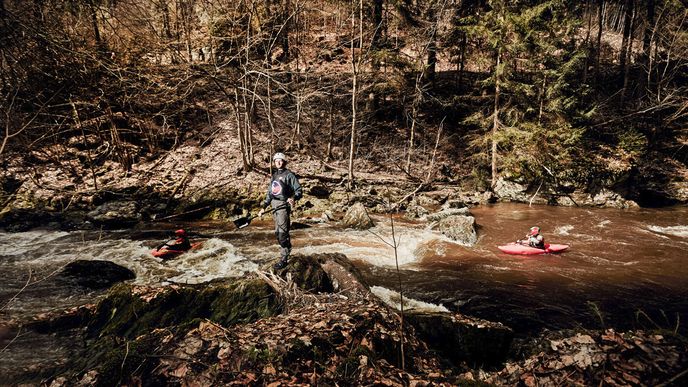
534 230
279 156
180 232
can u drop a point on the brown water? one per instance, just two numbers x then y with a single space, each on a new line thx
624 269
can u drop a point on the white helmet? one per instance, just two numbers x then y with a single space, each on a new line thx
279 156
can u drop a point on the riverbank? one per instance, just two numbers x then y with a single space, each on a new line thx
316 322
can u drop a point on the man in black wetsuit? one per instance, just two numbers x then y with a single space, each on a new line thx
283 192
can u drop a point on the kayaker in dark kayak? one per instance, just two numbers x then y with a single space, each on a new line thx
181 243
533 239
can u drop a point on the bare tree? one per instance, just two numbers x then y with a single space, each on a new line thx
355 67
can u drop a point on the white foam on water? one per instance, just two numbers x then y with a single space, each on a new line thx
21 243
412 245
391 298
679 231
563 230
215 259
603 223
496 268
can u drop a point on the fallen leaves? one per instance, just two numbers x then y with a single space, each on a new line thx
609 357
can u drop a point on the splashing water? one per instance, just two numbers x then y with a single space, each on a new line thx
392 298
679 231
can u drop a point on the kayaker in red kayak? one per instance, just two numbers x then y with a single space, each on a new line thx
181 243
533 239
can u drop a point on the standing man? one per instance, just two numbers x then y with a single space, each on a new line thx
283 192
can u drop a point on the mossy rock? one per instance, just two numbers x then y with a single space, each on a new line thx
127 313
308 274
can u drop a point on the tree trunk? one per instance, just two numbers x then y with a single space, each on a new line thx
240 131
598 50
412 135
284 35
625 43
328 152
432 47
354 88
647 46
94 22
377 20
187 10
462 57
495 120
588 46
647 34
165 10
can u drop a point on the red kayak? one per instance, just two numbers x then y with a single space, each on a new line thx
515 248
164 253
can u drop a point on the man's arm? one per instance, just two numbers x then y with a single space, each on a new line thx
298 193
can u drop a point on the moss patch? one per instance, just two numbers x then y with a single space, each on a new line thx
128 314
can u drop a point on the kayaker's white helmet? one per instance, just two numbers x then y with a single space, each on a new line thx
279 156
534 230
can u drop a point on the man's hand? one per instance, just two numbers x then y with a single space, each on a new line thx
291 202
261 212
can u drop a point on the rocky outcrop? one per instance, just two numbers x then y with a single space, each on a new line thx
448 212
95 274
307 273
511 191
460 228
116 214
462 338
357 217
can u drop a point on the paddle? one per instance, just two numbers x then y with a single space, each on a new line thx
163 244
246 220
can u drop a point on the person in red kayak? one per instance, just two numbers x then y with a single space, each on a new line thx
181 242
533 239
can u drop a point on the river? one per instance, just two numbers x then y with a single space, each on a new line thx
625 268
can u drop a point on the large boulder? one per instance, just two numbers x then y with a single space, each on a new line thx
460 228
95 274
448 212
357 217
508 190
307 273
463 338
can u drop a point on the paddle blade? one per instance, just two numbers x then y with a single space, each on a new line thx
242 222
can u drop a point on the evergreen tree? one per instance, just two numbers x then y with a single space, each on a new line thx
536 89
